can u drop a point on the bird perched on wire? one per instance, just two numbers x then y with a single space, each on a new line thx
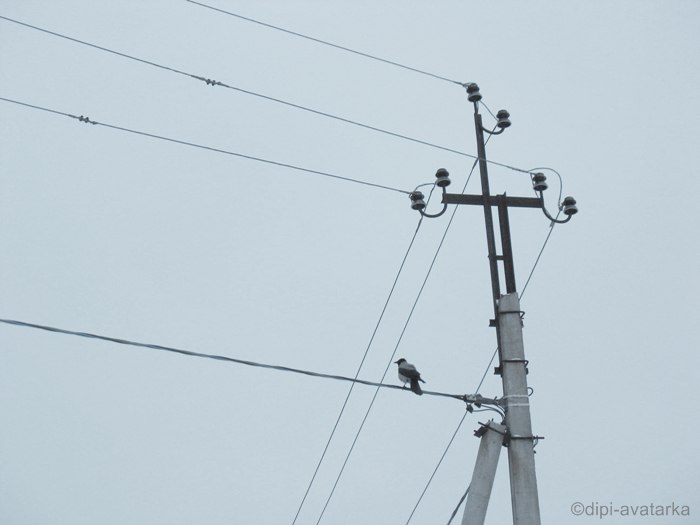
408 373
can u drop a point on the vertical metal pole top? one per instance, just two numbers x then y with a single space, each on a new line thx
488 216
506 247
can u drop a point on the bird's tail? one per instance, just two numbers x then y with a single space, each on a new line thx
415 387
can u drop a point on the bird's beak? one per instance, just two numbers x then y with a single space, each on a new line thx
396 362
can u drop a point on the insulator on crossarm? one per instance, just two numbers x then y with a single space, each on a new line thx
473 94
443 178
569 206
417 202
503 120
539 182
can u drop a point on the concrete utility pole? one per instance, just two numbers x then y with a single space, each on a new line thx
521 453
518 436
491 436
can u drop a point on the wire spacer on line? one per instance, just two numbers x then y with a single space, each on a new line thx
208 81
87 120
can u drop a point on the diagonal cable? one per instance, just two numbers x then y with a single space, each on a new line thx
87 120
432 264
347 397
330 44
211 82
459 504
539 255
403 331
464 416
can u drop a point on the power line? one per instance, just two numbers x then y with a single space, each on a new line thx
403 331
336 46
539 255
83 42
438 465
211 82
216 357
459 504
375 394
347 397
425 280
482 103
87 120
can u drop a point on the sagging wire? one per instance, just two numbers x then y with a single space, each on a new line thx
330 44
87 120
216 357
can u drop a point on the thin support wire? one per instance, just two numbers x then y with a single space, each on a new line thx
347 397
464 416
539 255
87 120
330 44
376 392
461 500
212 82
430 268
95 46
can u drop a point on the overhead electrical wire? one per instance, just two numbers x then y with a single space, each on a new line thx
216 357
211 82
449 444
364 357
330 44
378 385
403 331
425 280
539 255
459 504
482 103
87 120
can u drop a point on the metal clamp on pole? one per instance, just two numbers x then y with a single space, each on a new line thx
510 437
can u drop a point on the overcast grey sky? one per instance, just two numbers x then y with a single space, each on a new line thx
123 235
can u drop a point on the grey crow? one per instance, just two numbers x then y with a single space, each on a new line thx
408 373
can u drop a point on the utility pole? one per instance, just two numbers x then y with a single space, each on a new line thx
518 435
491 435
